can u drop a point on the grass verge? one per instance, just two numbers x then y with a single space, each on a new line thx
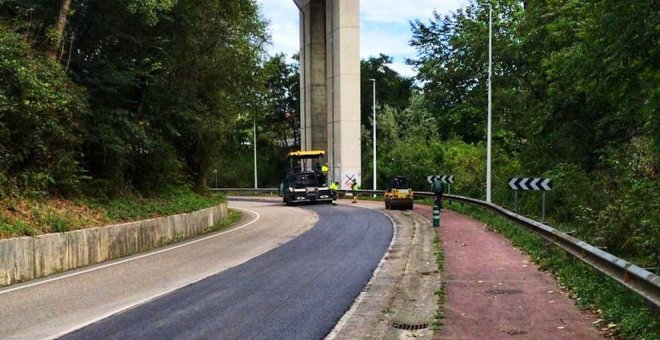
439 316
232 217
623 313
24 216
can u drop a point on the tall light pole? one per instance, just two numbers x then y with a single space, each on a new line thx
373 81
490 106
254 135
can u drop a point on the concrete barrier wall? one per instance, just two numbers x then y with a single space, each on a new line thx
27 258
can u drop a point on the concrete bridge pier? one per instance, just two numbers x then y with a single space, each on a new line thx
330 84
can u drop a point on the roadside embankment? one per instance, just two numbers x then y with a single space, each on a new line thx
27 258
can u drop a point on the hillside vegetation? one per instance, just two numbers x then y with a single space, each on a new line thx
118 107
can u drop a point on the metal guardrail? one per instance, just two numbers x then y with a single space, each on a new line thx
253 190
635 278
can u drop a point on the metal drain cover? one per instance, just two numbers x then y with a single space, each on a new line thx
410 327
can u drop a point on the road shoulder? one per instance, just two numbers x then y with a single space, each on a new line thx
400 300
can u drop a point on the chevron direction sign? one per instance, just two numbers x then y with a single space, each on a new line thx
444 179
544 184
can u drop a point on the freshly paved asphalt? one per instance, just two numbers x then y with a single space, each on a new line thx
296 291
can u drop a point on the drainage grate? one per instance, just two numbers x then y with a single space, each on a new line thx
409 327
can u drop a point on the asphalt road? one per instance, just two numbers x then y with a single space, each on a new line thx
61 303
296 291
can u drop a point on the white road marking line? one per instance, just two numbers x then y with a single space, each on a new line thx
29 285
133 305
152 298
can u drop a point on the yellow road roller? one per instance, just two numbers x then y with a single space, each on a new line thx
399 194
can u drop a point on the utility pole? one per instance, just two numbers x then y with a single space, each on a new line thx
490 106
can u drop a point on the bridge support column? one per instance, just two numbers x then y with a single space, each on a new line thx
330 84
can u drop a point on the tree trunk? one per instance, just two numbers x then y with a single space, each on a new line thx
60 24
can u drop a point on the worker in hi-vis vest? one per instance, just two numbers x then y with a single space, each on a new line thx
354 188
334 186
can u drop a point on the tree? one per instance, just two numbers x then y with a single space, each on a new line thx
40 111
575 99
282 115
211 78
392 89
58 30
393 93
166 81
453 63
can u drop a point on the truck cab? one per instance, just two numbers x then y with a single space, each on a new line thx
305 181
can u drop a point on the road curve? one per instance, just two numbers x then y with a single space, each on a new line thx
296 291
61 303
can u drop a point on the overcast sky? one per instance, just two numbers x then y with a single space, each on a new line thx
384 26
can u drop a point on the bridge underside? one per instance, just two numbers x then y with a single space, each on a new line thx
330 83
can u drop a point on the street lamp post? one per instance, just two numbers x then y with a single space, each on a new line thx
490 112
373 81
254 135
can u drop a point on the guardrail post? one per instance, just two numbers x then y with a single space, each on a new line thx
543 209
515 200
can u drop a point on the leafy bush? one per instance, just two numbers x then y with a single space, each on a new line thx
466 162
39 121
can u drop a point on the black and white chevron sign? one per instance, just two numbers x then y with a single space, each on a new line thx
444 179
544 184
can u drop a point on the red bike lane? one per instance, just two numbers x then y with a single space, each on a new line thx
494 291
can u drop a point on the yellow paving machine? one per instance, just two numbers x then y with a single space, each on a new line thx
305 181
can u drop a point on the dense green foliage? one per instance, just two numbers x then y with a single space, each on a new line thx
276 117
575 91
141 96
392 90
40 111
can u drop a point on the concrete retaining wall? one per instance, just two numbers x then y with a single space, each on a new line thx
26 258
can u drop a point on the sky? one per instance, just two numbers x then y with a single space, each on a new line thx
384 26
